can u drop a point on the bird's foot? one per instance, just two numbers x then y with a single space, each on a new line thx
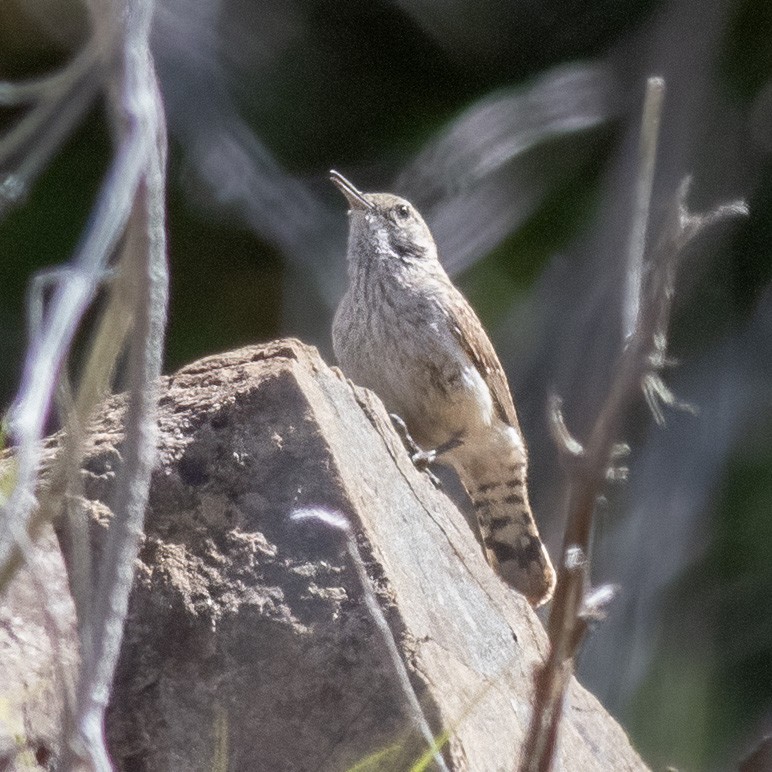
420 458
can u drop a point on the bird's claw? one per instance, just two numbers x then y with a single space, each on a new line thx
422 459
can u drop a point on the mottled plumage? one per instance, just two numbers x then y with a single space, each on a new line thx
404 330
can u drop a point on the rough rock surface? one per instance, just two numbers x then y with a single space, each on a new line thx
249 645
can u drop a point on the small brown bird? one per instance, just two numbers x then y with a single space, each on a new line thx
403 330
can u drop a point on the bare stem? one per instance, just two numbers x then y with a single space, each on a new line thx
647 159
637 368
139 111
130 210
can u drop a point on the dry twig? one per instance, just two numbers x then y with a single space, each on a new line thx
575 604
130 211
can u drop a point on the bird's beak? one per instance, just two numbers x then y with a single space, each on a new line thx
355 198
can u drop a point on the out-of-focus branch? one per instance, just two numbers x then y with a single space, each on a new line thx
652 113
116 570
473 181
575 605
138 112
131 210
48 351
59 101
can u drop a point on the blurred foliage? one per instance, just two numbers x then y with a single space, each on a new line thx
748 53
354 84
721 670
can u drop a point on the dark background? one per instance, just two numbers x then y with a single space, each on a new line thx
513 126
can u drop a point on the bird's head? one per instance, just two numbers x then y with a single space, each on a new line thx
385 226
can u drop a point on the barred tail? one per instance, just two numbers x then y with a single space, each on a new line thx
509 532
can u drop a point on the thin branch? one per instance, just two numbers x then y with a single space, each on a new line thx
64 485
65 480
647 156
47 352
130 207
566 444
146 255
575 605
61 100
39 89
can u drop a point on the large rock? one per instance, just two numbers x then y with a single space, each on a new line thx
249 644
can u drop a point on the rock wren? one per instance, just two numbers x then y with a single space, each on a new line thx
403 330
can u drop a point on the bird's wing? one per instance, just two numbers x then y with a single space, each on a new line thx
469 332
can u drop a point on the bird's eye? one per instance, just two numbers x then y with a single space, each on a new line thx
403 212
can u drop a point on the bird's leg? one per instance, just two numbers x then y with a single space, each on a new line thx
423 458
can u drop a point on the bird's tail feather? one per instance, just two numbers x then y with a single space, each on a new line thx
508 530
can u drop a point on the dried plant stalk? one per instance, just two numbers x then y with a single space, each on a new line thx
638 368
130 211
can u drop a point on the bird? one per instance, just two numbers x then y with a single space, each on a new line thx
404 331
